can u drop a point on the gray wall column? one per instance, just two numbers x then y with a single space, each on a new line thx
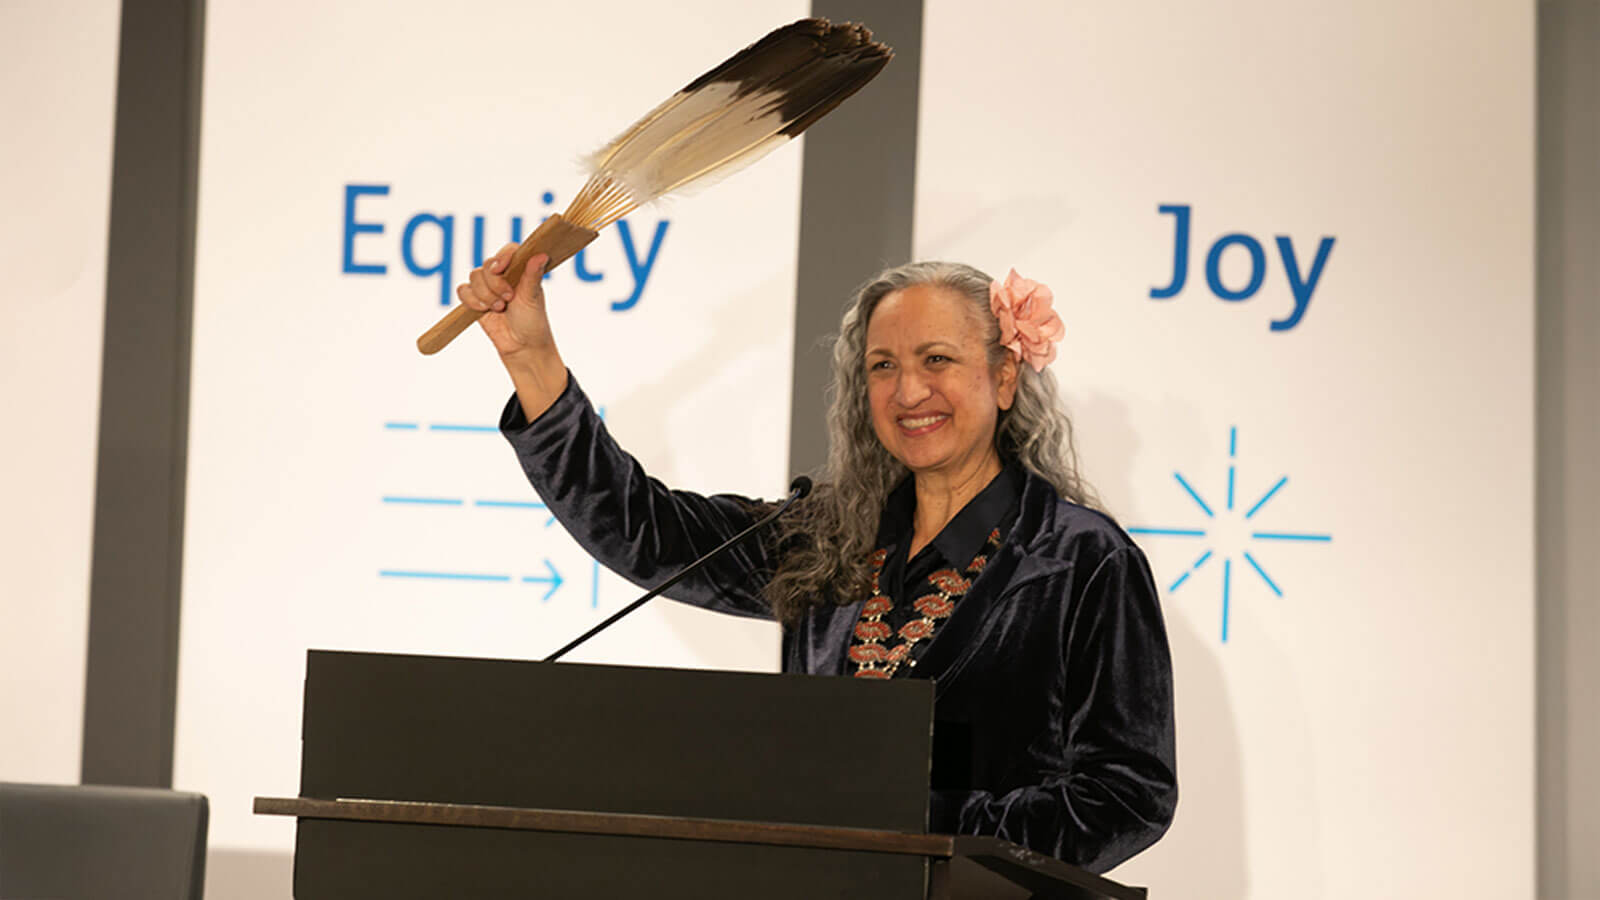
858 178
1568 513
136 571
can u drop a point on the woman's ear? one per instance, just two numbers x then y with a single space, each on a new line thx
1007 381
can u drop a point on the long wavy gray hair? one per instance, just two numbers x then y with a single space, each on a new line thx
827 540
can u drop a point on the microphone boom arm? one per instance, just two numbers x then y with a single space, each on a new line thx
798 489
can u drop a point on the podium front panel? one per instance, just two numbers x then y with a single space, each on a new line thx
383 861
672 742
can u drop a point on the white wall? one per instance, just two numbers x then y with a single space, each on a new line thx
1370 728
57 100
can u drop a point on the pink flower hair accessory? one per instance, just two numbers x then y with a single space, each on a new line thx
1028 326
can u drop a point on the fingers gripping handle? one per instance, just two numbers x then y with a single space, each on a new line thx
555 236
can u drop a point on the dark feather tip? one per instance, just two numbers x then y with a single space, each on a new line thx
845 52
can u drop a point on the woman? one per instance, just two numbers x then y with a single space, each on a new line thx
984 569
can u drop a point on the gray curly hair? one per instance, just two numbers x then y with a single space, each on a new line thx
825 544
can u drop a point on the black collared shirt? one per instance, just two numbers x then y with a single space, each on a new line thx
902 580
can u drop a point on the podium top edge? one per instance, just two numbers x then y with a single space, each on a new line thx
908 685
1002 857
938 846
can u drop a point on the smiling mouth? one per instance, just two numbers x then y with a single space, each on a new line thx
915 425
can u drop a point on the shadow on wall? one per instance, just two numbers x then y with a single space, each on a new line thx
1019 223
649 408
1203 854
249 874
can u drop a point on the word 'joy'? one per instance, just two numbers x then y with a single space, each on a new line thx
434 236
1301 284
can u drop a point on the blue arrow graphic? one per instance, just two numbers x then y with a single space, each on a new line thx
554 579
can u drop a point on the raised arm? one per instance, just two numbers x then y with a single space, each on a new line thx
516 322
627 520
632 523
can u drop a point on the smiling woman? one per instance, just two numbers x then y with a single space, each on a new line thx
949 538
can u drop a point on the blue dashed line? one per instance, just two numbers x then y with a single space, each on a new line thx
1263 573
1193 568
448 576
509 504
1169 532
1192 493
1227 579
1267 496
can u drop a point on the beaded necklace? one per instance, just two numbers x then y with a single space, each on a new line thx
872 658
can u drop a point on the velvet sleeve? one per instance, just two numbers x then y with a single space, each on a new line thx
1110 790
631 523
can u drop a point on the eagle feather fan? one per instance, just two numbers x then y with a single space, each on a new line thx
760 98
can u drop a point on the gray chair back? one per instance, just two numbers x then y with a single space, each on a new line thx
87 843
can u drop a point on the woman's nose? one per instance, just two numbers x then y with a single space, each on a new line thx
910 389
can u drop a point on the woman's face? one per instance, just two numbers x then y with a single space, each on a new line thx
934 398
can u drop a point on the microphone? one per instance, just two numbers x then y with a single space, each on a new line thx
798 488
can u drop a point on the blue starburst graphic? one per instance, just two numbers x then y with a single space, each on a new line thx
1229 519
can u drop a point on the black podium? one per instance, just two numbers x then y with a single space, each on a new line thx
428 777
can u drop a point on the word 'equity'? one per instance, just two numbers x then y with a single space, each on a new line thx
433 235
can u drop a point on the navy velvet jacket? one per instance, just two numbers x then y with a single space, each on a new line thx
1053 682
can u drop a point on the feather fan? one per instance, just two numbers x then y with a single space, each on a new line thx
724 120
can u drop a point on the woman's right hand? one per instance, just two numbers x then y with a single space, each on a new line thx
514 316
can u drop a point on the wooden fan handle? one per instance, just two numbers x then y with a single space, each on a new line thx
554 236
